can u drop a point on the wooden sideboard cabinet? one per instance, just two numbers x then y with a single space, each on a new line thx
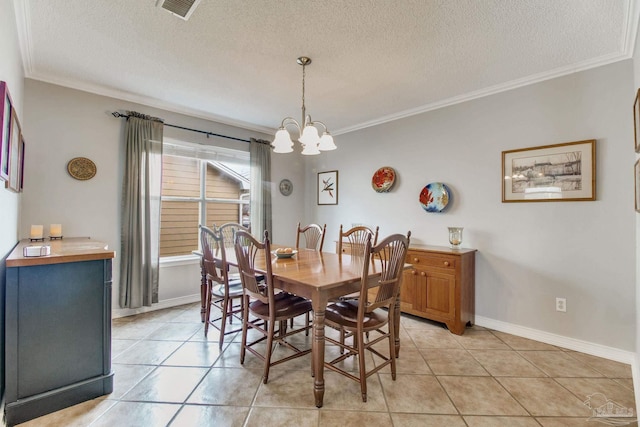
346 247
58 327
440 286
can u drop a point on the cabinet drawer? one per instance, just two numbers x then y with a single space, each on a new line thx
421 259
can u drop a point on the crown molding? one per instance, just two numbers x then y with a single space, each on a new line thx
491 90
150 102
627 43
23 26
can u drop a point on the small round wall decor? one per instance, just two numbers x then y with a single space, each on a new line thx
81 168
286 187
435 197
383 179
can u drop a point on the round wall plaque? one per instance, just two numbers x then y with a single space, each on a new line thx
286 187
81 168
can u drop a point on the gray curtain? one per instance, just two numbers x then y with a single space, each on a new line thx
140 216
260 159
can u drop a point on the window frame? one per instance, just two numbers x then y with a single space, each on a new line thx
202 199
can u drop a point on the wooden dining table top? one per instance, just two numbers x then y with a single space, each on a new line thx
320 270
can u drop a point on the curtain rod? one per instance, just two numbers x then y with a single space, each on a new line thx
117 114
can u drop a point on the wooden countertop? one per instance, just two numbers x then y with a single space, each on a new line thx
441 249
65 250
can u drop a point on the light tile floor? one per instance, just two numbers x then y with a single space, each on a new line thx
167 373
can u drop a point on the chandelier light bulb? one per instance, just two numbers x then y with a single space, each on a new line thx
310 150
282 142
310 136
326 143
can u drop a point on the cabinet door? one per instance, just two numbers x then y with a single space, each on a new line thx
408 291
440 291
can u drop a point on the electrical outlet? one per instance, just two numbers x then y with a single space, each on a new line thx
561 304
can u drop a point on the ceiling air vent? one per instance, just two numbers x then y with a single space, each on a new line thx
180 8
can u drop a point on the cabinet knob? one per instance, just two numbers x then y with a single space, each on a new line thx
414 272
422 273
416 260
446 263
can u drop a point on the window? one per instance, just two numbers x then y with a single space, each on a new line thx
200 185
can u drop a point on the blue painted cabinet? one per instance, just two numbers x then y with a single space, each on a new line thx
58 328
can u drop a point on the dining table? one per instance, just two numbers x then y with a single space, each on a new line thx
320 277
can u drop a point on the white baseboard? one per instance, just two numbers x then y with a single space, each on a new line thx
593 349
173 302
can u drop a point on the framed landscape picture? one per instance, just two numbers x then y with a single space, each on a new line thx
328 188
550 173
5 129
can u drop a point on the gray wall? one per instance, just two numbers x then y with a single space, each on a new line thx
11 73
528 253
65 123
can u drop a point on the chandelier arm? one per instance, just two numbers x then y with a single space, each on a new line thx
317 122
290 121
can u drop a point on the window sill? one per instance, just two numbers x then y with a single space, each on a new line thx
175 261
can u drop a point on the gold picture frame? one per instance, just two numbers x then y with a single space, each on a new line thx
550 173
636 121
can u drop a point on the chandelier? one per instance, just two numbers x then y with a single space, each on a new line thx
309 137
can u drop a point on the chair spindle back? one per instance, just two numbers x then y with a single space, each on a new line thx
313 236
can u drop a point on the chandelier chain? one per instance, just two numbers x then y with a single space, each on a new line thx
304 110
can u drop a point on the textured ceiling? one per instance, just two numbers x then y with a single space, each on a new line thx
373 60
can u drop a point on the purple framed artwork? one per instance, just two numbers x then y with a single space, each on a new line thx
5 130
15 140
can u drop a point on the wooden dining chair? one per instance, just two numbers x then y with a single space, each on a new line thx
222 293
314 239
362 315
228 233
313 236
356 237
261 301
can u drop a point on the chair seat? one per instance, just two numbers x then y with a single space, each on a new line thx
351 296
345 314
286 306
235 290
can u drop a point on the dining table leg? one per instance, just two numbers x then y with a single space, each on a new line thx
203 290
396 326
318 351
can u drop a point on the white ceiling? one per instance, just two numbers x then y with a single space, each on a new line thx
373 60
